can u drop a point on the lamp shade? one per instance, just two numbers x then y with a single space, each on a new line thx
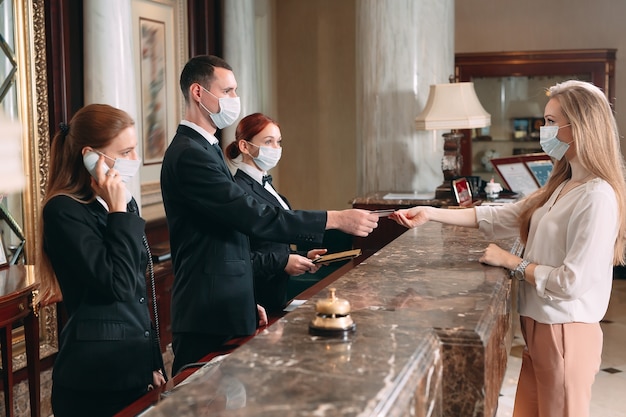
452 106
11 168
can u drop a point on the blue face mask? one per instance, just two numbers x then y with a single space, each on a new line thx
550 143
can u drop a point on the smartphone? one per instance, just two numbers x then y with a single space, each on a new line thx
90 159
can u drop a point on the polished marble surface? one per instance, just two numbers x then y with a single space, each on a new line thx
467 303
287 372
431 339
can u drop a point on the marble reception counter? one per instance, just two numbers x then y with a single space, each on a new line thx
432 339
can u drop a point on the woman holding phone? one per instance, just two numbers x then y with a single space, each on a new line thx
93 258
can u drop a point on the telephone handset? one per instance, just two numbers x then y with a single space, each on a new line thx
90 159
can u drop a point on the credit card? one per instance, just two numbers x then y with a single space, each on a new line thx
383 213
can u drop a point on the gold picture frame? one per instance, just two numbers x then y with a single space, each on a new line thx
32 108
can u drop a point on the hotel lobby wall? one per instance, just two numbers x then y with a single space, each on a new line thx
510 25
315 86
350 78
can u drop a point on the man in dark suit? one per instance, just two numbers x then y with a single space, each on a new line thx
210 218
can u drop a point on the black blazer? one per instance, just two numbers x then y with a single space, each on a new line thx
210 218
268 258
108 342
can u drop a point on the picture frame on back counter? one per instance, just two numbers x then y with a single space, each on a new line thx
524 174
462 192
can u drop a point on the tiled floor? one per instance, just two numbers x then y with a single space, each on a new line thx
609 389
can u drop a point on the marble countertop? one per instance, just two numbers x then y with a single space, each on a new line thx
431 332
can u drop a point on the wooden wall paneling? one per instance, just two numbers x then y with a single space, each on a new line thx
205 27
64 49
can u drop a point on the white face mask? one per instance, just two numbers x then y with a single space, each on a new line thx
127 168
230 107
268 157
550 143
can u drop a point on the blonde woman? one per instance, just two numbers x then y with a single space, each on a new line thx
574 230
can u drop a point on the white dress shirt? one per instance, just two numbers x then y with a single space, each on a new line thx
258 177
209 137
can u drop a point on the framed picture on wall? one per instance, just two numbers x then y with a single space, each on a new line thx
160 51
154 79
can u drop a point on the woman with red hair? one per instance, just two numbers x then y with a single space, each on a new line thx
258 145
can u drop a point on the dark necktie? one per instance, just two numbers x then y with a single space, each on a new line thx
267 178
219 150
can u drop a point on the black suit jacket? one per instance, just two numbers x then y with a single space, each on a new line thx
210 218
268 258
108 342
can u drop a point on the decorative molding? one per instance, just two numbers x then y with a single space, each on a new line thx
33 110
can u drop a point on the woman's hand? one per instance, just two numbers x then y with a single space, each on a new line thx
412 217
315 253
494 255
157 378
298 265
109 187
417 216
262 315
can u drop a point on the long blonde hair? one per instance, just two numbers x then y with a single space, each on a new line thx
95 125
596 138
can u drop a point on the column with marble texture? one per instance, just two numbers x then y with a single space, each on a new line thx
109 68
403 46
240 53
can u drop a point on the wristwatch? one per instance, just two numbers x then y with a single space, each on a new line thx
520 270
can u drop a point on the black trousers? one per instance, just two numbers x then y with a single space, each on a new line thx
191 347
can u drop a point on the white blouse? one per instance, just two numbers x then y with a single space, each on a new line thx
572 242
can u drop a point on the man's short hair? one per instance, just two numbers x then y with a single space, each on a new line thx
200 69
